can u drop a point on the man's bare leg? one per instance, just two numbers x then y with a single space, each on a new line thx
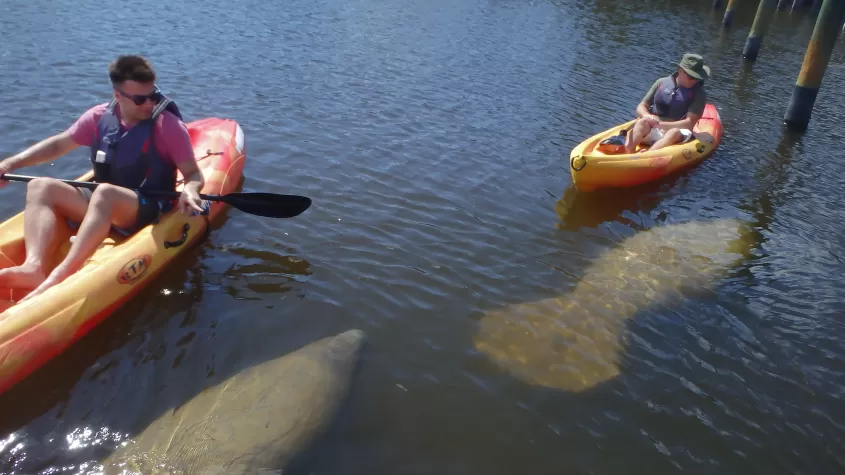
671 137
636 135
47 201
110 205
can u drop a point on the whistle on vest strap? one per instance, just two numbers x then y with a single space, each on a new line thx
100 157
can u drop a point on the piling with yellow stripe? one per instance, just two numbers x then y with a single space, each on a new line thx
758 29
728 19
825 33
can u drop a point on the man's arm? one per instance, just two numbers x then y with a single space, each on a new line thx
175 142
648 99
194 180
80 133
688 122
46 150
178 145
642 109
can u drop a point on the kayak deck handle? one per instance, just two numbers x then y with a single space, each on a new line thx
582 162
181 240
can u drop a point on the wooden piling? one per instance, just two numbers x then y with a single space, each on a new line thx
758 29
825 33
728 19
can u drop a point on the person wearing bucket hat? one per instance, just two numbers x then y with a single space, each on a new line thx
671 108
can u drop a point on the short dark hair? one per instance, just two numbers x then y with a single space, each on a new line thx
131 68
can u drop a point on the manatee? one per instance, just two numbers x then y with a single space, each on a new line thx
574 342
254 422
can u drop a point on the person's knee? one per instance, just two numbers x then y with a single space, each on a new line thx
118 204
673 136
42 190
641 130
643 124
105 194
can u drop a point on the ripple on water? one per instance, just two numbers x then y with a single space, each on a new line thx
433 138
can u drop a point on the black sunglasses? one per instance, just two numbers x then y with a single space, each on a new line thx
139 99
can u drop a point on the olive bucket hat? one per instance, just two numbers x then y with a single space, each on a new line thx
694 65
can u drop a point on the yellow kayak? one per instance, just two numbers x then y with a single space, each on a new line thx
33 332
592 169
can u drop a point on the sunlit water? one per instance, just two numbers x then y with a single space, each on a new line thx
433 138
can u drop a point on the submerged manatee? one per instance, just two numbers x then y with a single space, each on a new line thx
574 342
254 422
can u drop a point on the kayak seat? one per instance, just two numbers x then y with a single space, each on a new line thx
613 150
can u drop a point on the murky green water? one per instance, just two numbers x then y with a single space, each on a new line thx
434 138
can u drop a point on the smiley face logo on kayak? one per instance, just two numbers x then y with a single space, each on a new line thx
134 269
687 154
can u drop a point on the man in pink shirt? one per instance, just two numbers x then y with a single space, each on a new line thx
138 142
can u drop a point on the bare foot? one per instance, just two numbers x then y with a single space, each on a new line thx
26 276
58 275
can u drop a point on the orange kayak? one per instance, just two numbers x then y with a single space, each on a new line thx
33 332
591 169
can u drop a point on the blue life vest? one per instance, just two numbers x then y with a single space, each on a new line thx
671 100
131 159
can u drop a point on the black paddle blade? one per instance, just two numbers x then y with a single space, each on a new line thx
270 205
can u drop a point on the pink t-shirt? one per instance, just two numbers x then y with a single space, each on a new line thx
170 135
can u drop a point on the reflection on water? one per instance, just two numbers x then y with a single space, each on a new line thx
626 206
252 273
434 139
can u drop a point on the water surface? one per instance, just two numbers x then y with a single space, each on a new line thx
434 139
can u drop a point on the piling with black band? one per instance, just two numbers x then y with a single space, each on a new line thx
819 49
728 19
758 29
